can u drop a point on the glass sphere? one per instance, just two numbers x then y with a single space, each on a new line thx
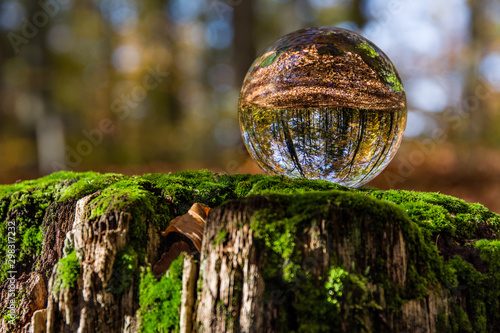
323 103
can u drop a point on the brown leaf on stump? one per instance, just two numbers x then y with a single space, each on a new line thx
167 257
191 225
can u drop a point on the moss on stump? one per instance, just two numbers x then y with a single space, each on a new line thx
278 254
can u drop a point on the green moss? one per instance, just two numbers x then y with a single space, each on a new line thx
187 187
127 194
24 204
63 185
459 321
137 198
314 301
22 223
68 272
159 301
289 215
480 291
394 81
221 237
310 302
270 59
260 184
334 284
87 183
438 213
369 50
279 237
153 200
490 253
124 271
357 300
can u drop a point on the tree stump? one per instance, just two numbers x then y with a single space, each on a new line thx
278 255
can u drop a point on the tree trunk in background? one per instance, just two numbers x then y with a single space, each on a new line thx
49 127
475 108
357 13
244 52
50 143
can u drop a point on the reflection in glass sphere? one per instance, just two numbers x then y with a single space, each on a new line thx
323 103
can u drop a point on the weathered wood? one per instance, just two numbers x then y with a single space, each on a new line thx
93 307
277 255
189 281
231 297
232 294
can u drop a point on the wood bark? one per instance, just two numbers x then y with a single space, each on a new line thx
244 50
92 307
232 294
324 261
231 297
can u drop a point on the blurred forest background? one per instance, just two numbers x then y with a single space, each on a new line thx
152 86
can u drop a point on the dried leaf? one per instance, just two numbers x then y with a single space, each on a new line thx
191 224
167 257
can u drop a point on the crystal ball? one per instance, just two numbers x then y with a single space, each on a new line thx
323 103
